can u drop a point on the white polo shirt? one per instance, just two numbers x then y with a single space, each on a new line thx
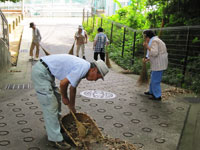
67 66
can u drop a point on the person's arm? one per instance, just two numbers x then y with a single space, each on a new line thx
72 99
39 34
63 89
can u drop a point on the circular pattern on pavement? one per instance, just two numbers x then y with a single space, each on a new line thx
135 121
127 113
33 107
159 140
93 105
26 130
2 124
118 107
146 129
109 102
108 117
85 100
1 117
154 116
98 94
11 104
118 125
4 143
163 125
29 103
16 109
38 113
101 110
25 99
20 115
143 110
21 122
28 139
128 134
132 104
2 133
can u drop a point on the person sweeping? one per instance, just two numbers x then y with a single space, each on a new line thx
158 57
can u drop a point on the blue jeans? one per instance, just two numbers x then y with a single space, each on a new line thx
155 88
50 100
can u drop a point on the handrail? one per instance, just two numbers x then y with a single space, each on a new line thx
5 26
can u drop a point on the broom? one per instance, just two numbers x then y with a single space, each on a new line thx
143 79
71 51
107 60
46 53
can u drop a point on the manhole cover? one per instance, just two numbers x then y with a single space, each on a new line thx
97 94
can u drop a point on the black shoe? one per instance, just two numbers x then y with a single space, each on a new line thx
156 99
60 145
84 57
147 93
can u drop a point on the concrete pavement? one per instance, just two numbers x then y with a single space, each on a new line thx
130 115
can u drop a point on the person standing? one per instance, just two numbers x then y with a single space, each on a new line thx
70 70
36 38
158 58
99 44
81 38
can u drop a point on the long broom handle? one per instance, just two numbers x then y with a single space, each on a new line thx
47 53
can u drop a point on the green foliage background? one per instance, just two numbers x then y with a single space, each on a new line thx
145 14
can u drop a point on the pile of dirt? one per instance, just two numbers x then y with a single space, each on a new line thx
173 91
94 140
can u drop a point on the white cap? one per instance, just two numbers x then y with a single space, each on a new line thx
80 27
102 68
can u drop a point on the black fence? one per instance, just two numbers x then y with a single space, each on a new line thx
183 45
4 33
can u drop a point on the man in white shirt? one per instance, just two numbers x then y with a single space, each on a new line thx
69 69
35 41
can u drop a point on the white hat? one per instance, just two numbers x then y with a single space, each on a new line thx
102 68
80 27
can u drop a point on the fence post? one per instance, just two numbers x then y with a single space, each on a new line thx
186 55
123 44
111 33
133 48
83 15
87 17
93 23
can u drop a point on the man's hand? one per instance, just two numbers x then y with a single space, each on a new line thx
145 44
145 60
72 108
65 101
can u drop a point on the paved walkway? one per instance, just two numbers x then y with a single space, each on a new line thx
130 115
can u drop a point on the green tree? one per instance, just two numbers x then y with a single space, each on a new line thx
14 1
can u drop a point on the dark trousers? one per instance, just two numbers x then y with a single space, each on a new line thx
102 55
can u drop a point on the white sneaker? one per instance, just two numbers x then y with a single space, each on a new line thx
30 57
36 59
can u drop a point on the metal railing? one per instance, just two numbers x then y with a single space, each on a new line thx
4 33
183 43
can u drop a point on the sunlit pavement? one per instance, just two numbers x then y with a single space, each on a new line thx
123 113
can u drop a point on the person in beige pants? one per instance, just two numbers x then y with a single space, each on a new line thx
81 39
35 42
